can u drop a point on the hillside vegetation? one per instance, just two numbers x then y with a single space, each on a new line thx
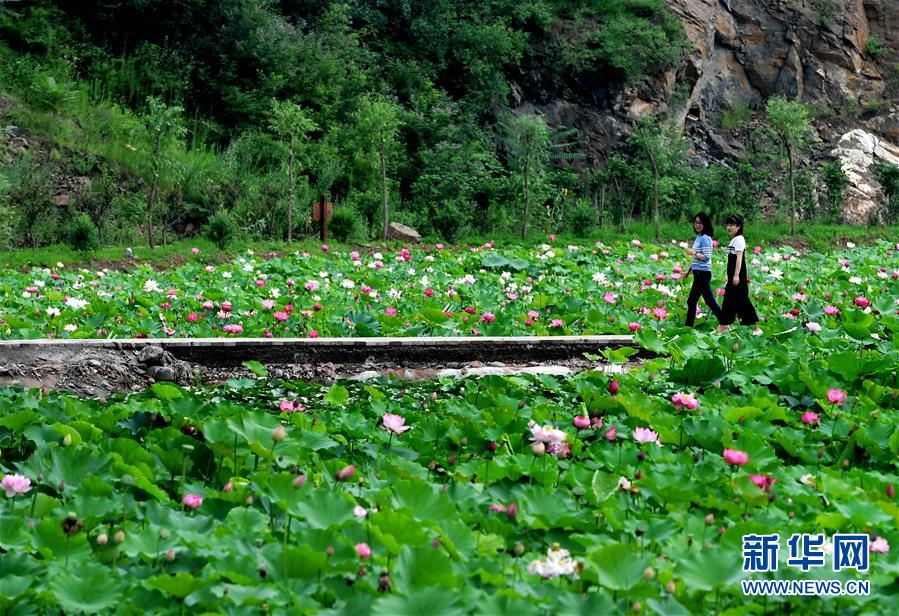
134 122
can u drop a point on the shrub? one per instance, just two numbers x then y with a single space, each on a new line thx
82 236
344 225
582 220
737 116
220 229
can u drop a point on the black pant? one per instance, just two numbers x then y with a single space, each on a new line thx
701 287
737 303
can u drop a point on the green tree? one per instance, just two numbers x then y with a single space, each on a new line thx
379 118
531 144
663 148
164 131
835 182
291 124
888 176
790 121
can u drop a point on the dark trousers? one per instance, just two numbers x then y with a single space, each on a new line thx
738 304
702 287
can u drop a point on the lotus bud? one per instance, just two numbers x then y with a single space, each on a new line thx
102 539
538 449
299 481
649 573
119 537
170 555
279 434
671 586
67 440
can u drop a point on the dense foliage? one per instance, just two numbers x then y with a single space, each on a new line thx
161 118
390 498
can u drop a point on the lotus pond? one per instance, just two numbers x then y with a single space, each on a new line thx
523 494
545 290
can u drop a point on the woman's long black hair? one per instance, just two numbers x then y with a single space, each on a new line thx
707 228
735 219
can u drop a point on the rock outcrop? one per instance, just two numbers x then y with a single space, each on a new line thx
858 151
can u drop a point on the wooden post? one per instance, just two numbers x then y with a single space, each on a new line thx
324 219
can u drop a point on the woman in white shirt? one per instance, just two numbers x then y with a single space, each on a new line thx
736 292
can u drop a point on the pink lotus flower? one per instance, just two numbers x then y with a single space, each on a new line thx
836 396
325 248
581 422
809 418
195 250
233 328
288 406
831 310
633 326
557 323
611 434
682 400
862 302
597 422
533 314
345 473
313 333
757 250
438 246
498 508
813 327
613 387
645 435
354 256
880 545
610 297
660 313
764 482
552 237
390 311
208 305
192 501
488 317
226 306
268 304
192 317
736 457
394 423
280 316
311 285
546 433
363 550
429 292
13 485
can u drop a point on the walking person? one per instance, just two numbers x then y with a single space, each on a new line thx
736 292
701 268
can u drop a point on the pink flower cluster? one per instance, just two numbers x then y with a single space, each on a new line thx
736 457
682 400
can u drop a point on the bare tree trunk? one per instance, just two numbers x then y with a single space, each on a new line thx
655 197
792 192
602 204
384 188
290 192
152 193
527 195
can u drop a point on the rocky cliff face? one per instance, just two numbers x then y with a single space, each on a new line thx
842 56
837 55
